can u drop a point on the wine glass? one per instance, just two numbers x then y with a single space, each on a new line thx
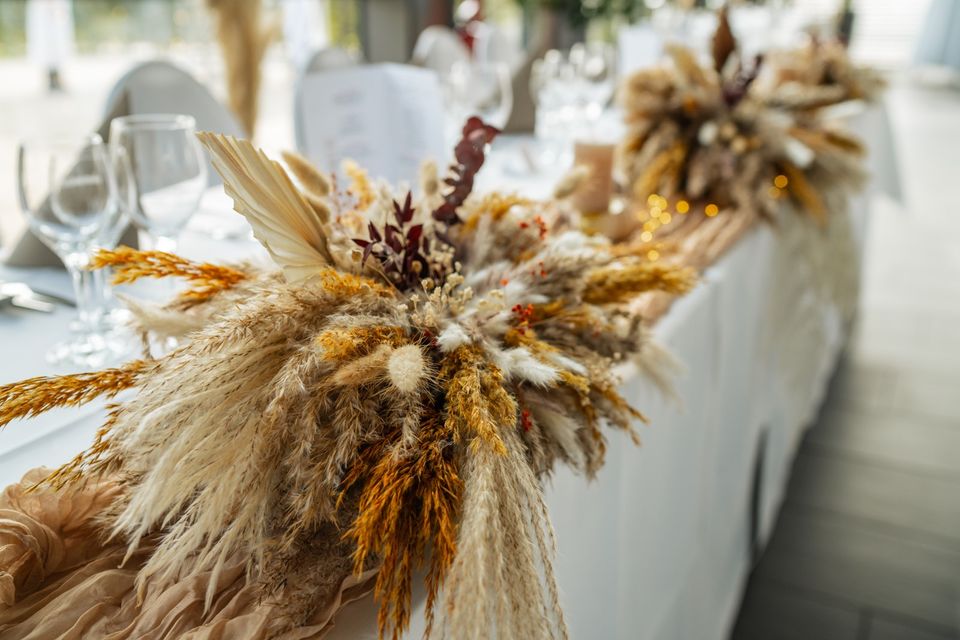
481 89
67 195
552 87
596 77
161 165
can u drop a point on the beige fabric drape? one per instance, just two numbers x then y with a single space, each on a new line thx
59 579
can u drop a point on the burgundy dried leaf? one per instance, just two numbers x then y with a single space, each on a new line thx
470 155
413 235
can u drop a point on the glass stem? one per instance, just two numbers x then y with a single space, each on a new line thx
84 290
103 297
167 244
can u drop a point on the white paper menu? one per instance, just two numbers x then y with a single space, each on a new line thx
386 117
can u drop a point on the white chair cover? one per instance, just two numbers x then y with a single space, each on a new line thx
492 45
439 48
331 58
159 86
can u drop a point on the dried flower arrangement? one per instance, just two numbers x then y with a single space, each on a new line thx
819 74
385 402
703 142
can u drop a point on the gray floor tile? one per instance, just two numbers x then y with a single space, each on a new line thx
863 566
883 629
901 439
928 394
884 495
773 613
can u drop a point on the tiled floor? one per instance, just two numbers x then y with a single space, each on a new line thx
868 542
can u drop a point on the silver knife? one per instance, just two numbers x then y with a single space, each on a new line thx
32 304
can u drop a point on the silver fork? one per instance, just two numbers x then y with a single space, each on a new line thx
23 295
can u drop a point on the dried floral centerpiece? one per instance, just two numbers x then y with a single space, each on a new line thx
702 143
387 401
819 74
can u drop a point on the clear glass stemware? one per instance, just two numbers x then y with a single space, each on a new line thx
596 77
66 192
481 89
162 172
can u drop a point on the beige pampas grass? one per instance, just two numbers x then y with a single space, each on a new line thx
243 42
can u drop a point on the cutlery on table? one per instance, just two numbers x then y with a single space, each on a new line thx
22 291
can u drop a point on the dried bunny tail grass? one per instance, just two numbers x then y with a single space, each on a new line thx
505 541
407 367
311 180
429 179
36 395
409 507
616 284
130 265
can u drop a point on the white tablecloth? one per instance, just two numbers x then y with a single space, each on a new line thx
660 545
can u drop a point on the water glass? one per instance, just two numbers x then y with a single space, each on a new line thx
481 89
161 173
67 194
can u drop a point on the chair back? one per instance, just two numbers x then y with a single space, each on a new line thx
159 86
439 48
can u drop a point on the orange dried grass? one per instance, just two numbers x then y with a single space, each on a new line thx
409 505
477 404
805 194
360 187
615 284
130 265
348 285
34 396
94 457
342 344
664 168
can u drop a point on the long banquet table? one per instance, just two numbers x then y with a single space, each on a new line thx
659 546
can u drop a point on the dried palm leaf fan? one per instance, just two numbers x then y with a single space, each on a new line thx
702 144
243 39
388 400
